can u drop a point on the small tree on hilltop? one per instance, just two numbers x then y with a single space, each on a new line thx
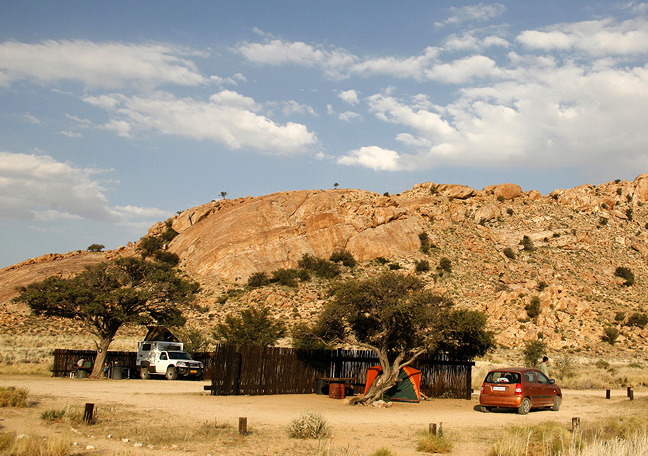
392 315
252 327
106 296
95 247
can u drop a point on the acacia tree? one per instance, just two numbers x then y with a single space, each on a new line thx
106 296
395 317
252 327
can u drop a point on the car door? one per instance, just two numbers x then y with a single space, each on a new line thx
533 388
546 389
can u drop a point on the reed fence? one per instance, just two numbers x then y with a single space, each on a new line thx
275 370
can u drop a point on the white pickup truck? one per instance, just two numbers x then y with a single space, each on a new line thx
168 358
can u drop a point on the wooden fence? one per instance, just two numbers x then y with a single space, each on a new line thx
272 370
253 371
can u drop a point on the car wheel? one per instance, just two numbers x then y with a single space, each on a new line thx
557 402
171 373
144 373
525 406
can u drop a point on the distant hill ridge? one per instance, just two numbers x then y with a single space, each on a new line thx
508 249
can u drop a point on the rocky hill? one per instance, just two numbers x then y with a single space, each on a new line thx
507 249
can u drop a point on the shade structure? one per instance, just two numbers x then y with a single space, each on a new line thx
408 389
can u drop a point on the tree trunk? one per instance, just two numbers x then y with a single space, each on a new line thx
102 352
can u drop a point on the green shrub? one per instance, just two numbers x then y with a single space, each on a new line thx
629 213
10 396
258 279
509 211
603 221
533 351
626 274
383 451
542 285
610 335
95 247
394 266
319 266
509 253
254 326
344 257
309 425
288 277
533 309
619 317
640 320
422 266
164 256
445 264
381 260
527 244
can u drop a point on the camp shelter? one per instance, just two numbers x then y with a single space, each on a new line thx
408 389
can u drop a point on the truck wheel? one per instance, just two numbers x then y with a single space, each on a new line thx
144 373
171 373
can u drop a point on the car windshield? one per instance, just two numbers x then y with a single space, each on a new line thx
503 377
179 355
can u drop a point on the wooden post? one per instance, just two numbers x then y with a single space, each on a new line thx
440 429
433 429
607 394
631 396
87 413
243 425
575 424
629 391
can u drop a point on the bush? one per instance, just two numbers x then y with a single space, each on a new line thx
434 444
533 351
602 364
11 396
565 366
445 264
527 244
509 211
533 309
509 253
344 257
95 247
542 285
626 274
303 337
166 257
258 279
603 221
318 266
394 266
629 213
252 327
309 425
288 277
640 320
610 335
619 317
382 260
422 266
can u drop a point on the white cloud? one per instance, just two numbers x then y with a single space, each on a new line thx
349 96
598 38
227 118
463 70
70 134
409 67
373 157
142 212
37 187
278 52
96 64
78 119
292 107
348 116
481 12
31 119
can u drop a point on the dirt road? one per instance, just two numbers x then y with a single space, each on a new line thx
360 430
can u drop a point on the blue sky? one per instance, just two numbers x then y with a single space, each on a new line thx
116 115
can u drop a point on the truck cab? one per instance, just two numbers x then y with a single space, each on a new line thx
166 357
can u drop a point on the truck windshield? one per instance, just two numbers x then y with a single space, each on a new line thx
179 355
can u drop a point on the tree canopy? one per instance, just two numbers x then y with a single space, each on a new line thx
253 326
106 296
394 316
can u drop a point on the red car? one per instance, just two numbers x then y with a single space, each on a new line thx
519 388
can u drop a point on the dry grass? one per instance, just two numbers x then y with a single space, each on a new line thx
575 373
33 445
13 397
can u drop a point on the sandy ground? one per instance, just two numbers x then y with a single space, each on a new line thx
356 430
